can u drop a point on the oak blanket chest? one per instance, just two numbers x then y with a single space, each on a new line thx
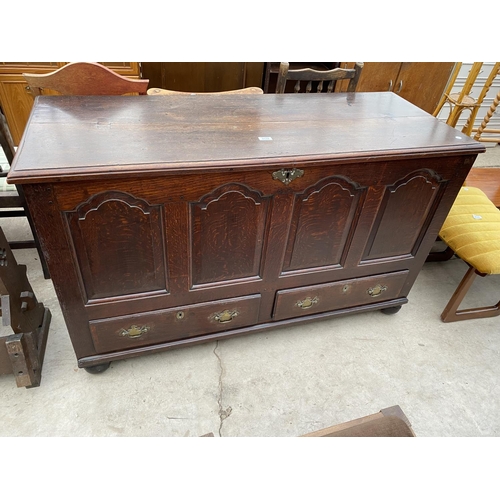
168 221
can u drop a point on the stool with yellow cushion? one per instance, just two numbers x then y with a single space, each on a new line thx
472 232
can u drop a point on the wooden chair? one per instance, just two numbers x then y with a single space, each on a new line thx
482 129
85 78
12 203
472 232
461 101
247 90
22 348
310 75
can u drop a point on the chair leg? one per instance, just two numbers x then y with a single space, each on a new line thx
451 312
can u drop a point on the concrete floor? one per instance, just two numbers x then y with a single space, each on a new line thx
285 382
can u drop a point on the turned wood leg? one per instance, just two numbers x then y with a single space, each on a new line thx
451 312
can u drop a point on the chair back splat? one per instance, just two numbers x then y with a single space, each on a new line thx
85 78
308 75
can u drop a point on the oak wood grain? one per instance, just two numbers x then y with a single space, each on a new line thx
150 206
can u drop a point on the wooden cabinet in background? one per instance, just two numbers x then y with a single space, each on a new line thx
421 83
203 76
16 100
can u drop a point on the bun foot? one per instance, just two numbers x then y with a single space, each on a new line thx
97 368
391 310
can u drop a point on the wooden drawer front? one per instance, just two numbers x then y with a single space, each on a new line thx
177 323
338 295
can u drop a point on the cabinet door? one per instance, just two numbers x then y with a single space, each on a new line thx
375 77
16 101
15 96
423 83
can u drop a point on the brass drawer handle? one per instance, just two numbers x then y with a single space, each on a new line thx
307 302
134 332
286 175
225 316
376 290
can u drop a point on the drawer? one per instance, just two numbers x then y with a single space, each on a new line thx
338 295
177 323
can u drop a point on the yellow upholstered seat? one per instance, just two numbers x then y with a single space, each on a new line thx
472 230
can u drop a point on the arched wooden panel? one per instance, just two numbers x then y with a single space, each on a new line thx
119 244
404 212
227 234
323 219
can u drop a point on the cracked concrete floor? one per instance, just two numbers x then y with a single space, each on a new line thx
284 382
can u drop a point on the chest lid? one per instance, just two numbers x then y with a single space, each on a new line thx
82 137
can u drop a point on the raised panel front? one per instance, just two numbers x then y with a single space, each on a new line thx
118 241
227 235
324 216
404 216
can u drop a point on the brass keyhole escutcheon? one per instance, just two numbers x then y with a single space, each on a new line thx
180 315
307 302
225 316
286 175
376 290
134 331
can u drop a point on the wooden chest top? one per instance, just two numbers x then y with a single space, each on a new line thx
75 137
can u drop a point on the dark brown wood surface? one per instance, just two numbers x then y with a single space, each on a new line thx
147 207
82 136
